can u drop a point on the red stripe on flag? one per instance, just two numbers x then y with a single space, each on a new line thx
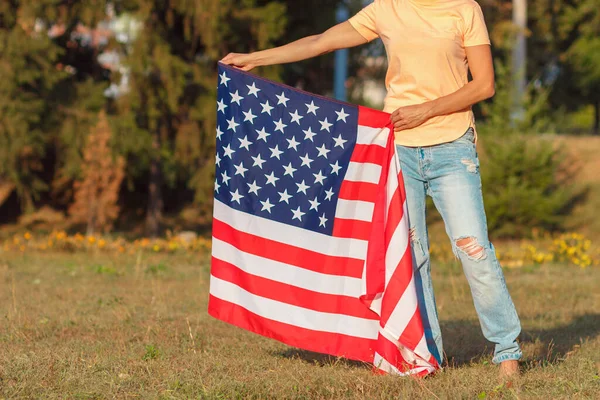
395 214
397 285
413 333
390 352
362 191
352 229
322 342
284 293
372 118
376 253
366 153
288 254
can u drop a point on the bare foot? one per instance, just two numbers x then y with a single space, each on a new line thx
509 369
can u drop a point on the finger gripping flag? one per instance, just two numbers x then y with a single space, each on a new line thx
310 228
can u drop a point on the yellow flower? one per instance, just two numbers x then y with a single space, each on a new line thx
27 236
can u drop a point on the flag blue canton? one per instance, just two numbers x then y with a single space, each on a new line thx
281 154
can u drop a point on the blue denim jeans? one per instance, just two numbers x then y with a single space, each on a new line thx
449 173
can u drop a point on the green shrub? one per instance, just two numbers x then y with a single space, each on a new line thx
528 183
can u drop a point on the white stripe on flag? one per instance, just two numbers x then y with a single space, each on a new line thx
355 209
369 135
397 247
392 183
294 315
363 172
285 273
283 233
403 311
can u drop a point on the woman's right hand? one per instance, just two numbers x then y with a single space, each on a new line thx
239 60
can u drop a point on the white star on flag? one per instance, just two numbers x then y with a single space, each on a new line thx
298 214
236 196
339 141
296 117
309 134
221 106
289 170
266 206
217 160
262 134
306 160
253 90
275 152
245 143
228 151
258 162
266 107
224 79
226 178
314 204
279 125
219 133
253 187
323 151
236 98
240 170
248 116
342 115
293 144
271 178
328 194
284 197
322 221
312 108
232 124
326 125
282 99
217 186
319 178
302 187
335 168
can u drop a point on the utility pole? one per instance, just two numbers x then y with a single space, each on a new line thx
519 59
341 58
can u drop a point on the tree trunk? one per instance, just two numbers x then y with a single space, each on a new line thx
155 200
597 118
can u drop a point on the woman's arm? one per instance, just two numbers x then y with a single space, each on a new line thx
340 36
480 88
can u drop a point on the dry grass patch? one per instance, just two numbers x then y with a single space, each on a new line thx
94 327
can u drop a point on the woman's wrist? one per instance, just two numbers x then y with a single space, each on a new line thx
256 59
432 107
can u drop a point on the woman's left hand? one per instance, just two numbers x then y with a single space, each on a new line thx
411 116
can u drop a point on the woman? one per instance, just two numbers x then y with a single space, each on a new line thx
431 45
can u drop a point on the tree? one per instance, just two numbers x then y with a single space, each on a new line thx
97 193
50 93
583 56
167 120
29 74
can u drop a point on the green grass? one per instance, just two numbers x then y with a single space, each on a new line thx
93 327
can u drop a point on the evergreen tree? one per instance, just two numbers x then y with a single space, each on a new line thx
29 75
97 194
167 120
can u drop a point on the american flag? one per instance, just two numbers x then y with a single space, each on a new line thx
310 232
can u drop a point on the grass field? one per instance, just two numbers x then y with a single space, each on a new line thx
84 326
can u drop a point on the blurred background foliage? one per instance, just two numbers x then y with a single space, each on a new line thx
139 76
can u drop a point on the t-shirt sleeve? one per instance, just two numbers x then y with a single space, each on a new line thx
476 32
364 21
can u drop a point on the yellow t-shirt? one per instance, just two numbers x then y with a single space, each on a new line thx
425 42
